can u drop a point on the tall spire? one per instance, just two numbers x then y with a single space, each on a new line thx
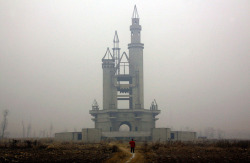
116 39
135 13
116 51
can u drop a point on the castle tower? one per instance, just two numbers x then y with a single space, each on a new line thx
136 62
123 81
109 91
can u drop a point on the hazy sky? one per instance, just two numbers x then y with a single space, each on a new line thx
196 61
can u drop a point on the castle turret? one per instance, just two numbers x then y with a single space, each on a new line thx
136 61
109 91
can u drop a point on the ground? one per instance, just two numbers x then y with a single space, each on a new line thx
112 152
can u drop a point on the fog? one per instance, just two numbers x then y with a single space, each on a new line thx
196 62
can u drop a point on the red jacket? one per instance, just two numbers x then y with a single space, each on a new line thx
132 144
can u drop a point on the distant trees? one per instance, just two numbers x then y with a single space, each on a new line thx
26 133
45 132
4 122
23 129
28 130
212 133
220 134
51 129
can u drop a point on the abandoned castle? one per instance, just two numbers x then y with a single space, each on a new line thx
123 81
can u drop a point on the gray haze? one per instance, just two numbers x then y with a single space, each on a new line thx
196 62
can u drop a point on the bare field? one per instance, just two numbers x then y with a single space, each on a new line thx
36 151
50 151
210 151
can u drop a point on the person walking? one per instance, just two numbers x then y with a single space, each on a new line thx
132 145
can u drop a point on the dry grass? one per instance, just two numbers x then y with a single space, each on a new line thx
121 154
118 157
211 151
46 150
43 151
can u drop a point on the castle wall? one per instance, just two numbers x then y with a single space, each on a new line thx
160 134
126 134
94 135
183 135
103 122
68 136
91 135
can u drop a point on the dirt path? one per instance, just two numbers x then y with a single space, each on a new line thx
124 155
132 157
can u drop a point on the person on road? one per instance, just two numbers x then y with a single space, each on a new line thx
132 145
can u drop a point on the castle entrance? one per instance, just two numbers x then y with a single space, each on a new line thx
125 126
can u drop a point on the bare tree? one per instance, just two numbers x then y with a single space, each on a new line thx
40 133
34 134
28 130
220 134
23 129
50 130
43 133
5 121
209 132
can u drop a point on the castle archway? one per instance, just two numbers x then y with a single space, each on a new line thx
125 126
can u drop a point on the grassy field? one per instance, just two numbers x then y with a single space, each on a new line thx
47 150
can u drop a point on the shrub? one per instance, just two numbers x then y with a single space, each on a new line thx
115 148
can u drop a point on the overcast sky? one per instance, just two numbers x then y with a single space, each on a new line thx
196 61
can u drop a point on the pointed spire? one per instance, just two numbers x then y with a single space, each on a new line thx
116 39
135 13
108 55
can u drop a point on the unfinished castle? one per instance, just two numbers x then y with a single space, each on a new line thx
123 82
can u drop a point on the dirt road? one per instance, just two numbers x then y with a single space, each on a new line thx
136 157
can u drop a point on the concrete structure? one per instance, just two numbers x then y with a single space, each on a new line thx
160 134
69 136
123 81
91 135
183 135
